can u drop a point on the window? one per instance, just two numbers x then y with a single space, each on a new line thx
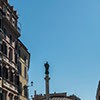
4 95
0 40
16 79
1 96
16 98
15 58
20 88
0 71
5 72
8 15
99 97
0 23
16 45
10 37
13 21
10 54
11 76
4 48
1 47
10 96
19 68
24 58
4 9
25 72
25 91
5 32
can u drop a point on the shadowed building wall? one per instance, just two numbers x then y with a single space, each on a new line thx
14 56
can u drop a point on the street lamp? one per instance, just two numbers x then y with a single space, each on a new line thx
31 83
27 88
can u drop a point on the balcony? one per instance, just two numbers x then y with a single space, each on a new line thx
4 58
10 86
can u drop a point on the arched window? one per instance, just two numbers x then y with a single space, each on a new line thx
16 98
10 96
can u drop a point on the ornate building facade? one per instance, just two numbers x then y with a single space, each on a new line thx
14 56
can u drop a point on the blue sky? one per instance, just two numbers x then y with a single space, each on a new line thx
66 33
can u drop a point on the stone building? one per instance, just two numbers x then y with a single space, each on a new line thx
98 92
56 96
14 56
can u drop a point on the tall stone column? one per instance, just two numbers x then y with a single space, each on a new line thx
47 78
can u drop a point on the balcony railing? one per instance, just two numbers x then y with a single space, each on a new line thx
10 86
4 58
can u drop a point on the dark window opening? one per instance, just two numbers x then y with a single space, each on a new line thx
4 94
15 58
1 47
16 45
26 91
0 23
25 58
10 54
0 71
25 72
1 96
20 88
99 97
19 68
5 72
4 49
11 76
10 96
5 32
10 37
16 98
16 79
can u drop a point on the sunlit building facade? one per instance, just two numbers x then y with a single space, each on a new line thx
14 56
